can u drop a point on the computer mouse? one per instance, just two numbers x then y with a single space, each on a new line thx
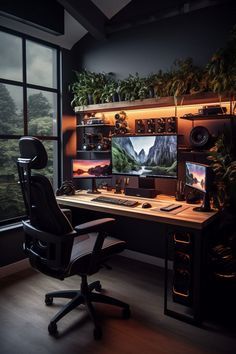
146 205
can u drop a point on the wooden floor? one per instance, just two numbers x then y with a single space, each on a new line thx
24 317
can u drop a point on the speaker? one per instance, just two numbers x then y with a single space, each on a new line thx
140 126
160 125
171 125
151 126
199 137
141 192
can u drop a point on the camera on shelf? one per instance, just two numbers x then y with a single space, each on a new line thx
91 140
121 123
104 145
94 118
96 142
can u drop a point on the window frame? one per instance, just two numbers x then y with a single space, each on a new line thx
25 86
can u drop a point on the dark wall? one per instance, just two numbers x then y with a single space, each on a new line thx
155 46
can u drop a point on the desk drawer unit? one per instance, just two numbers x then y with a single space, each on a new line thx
183 266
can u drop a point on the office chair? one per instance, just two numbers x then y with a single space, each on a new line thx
57 249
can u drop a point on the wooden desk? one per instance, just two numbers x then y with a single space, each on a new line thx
186 217
186 232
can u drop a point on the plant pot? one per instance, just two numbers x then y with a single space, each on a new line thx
115 97
121 97
90 99
151 92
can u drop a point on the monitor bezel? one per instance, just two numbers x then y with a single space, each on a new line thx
208 175
145 176
90 176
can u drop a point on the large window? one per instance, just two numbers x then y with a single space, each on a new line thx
29 105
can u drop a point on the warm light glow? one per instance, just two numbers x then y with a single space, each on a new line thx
69 135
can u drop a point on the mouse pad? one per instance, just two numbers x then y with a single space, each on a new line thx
174 212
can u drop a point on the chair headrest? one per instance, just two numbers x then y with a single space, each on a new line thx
32 148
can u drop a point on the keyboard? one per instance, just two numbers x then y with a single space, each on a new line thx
115 201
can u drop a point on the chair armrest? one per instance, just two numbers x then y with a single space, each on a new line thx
101 227
98 225
46 236
67 213
48 252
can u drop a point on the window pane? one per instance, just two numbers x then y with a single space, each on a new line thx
42 112
11 106
11 57
11 202
41 65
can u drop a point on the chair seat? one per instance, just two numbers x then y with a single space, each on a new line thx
82 248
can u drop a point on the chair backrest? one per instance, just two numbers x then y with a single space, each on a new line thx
41 205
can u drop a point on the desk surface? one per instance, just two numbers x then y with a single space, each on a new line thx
184 216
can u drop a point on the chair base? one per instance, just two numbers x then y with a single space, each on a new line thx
84 296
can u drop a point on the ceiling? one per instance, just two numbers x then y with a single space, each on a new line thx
102 17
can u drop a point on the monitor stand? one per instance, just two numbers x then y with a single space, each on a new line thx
206 206
146 182
94 188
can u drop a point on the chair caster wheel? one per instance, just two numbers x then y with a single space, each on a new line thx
52 328
97 333
48 300
126 313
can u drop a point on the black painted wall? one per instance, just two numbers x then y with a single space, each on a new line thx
148 48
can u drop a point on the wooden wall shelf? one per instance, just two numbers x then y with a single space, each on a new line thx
203 98
94 125
210 117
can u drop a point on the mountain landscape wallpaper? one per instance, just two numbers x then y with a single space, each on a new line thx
196 176
91 168
145 155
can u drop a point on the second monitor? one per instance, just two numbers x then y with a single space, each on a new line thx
91 169
199 176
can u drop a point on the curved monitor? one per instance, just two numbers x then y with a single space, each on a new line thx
144 155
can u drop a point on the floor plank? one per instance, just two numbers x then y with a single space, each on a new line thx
24 317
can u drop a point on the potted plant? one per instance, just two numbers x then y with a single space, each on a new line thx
150 84
109 91
184 78
222 255
127 88
87 87
221 71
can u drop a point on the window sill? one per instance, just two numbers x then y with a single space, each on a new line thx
9 227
